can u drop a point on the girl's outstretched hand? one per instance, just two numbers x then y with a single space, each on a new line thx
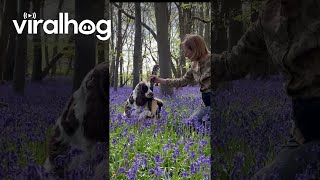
156 79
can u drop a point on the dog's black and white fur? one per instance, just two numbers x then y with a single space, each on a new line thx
143 103
83 121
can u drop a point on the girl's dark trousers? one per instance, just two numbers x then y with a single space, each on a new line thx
294 158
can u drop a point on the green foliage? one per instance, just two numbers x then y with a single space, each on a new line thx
245 17
186 5
30 149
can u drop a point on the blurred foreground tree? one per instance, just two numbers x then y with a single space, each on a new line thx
7 39
37 49
85 45
20 57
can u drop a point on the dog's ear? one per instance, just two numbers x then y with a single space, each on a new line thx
69 122
90 81
141 99
159 102
127 109
131 100
96 109
67 108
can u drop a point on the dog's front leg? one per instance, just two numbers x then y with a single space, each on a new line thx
78 160
59 142
58 145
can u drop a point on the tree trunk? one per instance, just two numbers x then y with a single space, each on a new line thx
1 15
69 66
119 48
7 28
20 57
9 60
56 39
121 70
101 51
161 10
101 44
219 35
182 64
124 40
46 50
54 66
188 20
37 50
233 9
85 45
201 25
127 72
107 43
137 46
219 32
212 25
112 65
174 70
207 32
45 36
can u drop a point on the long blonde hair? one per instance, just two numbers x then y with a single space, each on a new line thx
197 45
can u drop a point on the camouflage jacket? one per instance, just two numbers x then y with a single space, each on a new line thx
291 43
200 72
285 41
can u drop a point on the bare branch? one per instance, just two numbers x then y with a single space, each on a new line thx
55 59
132 17
154 59
200 19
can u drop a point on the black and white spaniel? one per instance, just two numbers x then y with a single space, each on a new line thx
142 103
83 121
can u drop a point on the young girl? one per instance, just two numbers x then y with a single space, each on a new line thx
196 50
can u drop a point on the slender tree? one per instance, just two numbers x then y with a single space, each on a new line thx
101 44
1 15
119 48
44 35
137 45
7 39
56 39
37 50
233 9
107 43
112 63
207 32
9 60
201 14
20 57
219 31
182 33
161 10
85 45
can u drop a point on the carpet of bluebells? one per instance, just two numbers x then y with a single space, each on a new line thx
165 148
252 122
25 126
